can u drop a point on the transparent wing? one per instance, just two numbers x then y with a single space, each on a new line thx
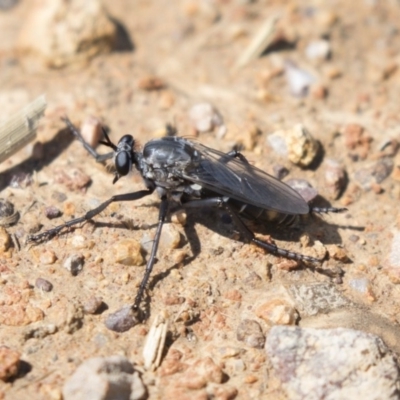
234 178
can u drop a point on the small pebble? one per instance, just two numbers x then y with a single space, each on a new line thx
7 215
315 298
277 312
93 305
151 82
355 139
170 237
335 178
280 171
52 212
73 178
361 285
306 191
202 372
318 50
44 285
331 363
205 117
105 378
91 130
299 80
59 197
21 180
122 320
9 363
127 252
47 257
250 332
74 264
297 144
368 177
5 240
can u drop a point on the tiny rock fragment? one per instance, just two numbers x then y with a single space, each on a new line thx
297 142
356 140
105 378
91 130
71 319
361 285
314 298
79 242
56 34
226 392
93 305
250 332
304 188
277 312
338 253
369 176
73 178
122 319
345 361
52 212
170 237
151 82
318 50
74 263
335 178
299 80
43 256
205 117
5 240
280 171
200 373
19 314
7 215
179 217
43 284
39 331
6 208
9 363
127 252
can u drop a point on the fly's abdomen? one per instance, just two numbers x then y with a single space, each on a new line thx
255 213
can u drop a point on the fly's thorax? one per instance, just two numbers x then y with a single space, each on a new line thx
164 159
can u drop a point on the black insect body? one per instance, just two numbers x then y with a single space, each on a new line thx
196 176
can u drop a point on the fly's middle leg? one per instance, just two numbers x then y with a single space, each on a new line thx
46 235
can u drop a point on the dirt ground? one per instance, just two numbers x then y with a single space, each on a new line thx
208 281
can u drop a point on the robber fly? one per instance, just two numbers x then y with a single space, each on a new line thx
195 176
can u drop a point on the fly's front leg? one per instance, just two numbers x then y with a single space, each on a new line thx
98 157
248 235
46 235
150 264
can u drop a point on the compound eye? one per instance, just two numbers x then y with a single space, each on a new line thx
123 163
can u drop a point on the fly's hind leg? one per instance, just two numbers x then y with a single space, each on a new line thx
222 202
322 210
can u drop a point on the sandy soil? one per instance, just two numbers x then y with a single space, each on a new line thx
211 280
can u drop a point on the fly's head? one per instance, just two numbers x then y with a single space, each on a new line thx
124 154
